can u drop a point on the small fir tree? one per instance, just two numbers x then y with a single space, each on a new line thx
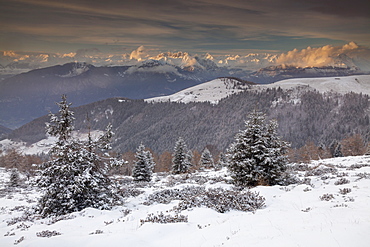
257 155
14 179
222 161
338 151
181 158
144 165
76 176
206 160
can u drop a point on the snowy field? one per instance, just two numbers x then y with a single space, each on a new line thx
330 206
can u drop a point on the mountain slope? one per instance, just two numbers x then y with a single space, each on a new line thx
302 113
30 95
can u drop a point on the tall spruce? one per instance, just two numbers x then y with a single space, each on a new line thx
181 157
144 165
257 155
75 177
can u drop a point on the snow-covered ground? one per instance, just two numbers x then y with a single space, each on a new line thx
330 207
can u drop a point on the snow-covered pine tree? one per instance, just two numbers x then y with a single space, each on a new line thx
222 161
144 164
181 159
206 160
338 151
275 162
257 155
75 176
14 179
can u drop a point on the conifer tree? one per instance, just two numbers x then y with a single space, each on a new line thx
206 159
181 159
75 177
14 180
144 165
222 161
257 155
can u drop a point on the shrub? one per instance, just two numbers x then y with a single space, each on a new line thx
164 219
326 197
342 181
219 199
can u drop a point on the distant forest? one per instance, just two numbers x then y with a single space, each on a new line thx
303 114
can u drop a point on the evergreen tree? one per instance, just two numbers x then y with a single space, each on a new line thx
181 159
75 176
338 151
144 165
257 155
206 160
275 160
14 180
222 161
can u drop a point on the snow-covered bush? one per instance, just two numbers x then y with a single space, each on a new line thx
327 197
219 199
258 155
320 171
363 175
342 181
344 191
47 234
164 219
223 200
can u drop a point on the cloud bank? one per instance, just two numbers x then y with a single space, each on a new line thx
348 55
341 56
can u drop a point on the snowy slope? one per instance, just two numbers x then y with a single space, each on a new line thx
212 91
356 84
314 212
215 90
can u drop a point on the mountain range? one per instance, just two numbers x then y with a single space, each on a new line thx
29 95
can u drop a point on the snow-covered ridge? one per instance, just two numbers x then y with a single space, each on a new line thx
215 90
342 85
212 91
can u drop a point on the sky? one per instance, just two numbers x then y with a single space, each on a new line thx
195 26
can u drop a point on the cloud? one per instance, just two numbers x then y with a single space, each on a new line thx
139 54
324 56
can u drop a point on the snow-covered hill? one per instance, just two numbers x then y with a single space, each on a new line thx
211 91
215 90
345 84
328 207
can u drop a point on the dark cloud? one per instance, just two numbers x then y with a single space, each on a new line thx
349 9
189 24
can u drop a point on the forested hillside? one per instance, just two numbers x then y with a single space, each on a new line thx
303 115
